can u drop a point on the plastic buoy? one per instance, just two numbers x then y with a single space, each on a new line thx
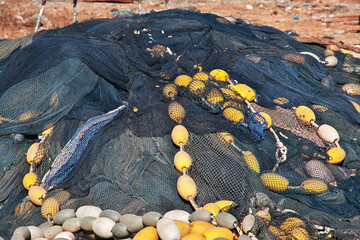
351 88
86 222
218 232
120 230
35 153
251 161
233 114
228 93
201 215
356 105
51 232
314 186
170 91
225 137
219 75
186 187
35 232
102 227
331 61
212 207
196 87
178 214
292 223
24 207
226 220
248 223
65 235
29 179
176 112
72 225
148 233
183 227
88 210
37 194
300 233
112 214
201 76
151 218
224 203
182 160
274 182
61 216
267 118
167 229
328 133
214 96
50 207
200 227
183 80
193 236
179 135
245 91
305 114
336 155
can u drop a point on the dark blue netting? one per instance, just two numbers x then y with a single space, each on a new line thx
69 78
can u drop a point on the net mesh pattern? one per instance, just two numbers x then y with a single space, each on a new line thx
73 78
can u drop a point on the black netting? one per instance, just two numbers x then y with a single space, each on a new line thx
99 84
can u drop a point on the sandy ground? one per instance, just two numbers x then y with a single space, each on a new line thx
304 17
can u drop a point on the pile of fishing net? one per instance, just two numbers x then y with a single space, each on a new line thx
230 124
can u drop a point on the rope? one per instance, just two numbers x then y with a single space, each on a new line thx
281 150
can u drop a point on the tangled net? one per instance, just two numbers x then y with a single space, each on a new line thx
272 124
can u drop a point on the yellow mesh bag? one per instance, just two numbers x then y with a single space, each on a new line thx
196 87
214 96
356 105
251 161
158 50
314 186
176 112
28 115
228 93
50 207
54 100
300 234
274 182
225 137
170 91
351 89
292 223
219 75
24 208
182 80
281 100
294 57
201 76
277 232
62 196
319 108
233 114
233 104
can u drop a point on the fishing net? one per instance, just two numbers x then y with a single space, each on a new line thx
102 87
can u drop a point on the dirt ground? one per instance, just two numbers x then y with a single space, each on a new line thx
304 17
